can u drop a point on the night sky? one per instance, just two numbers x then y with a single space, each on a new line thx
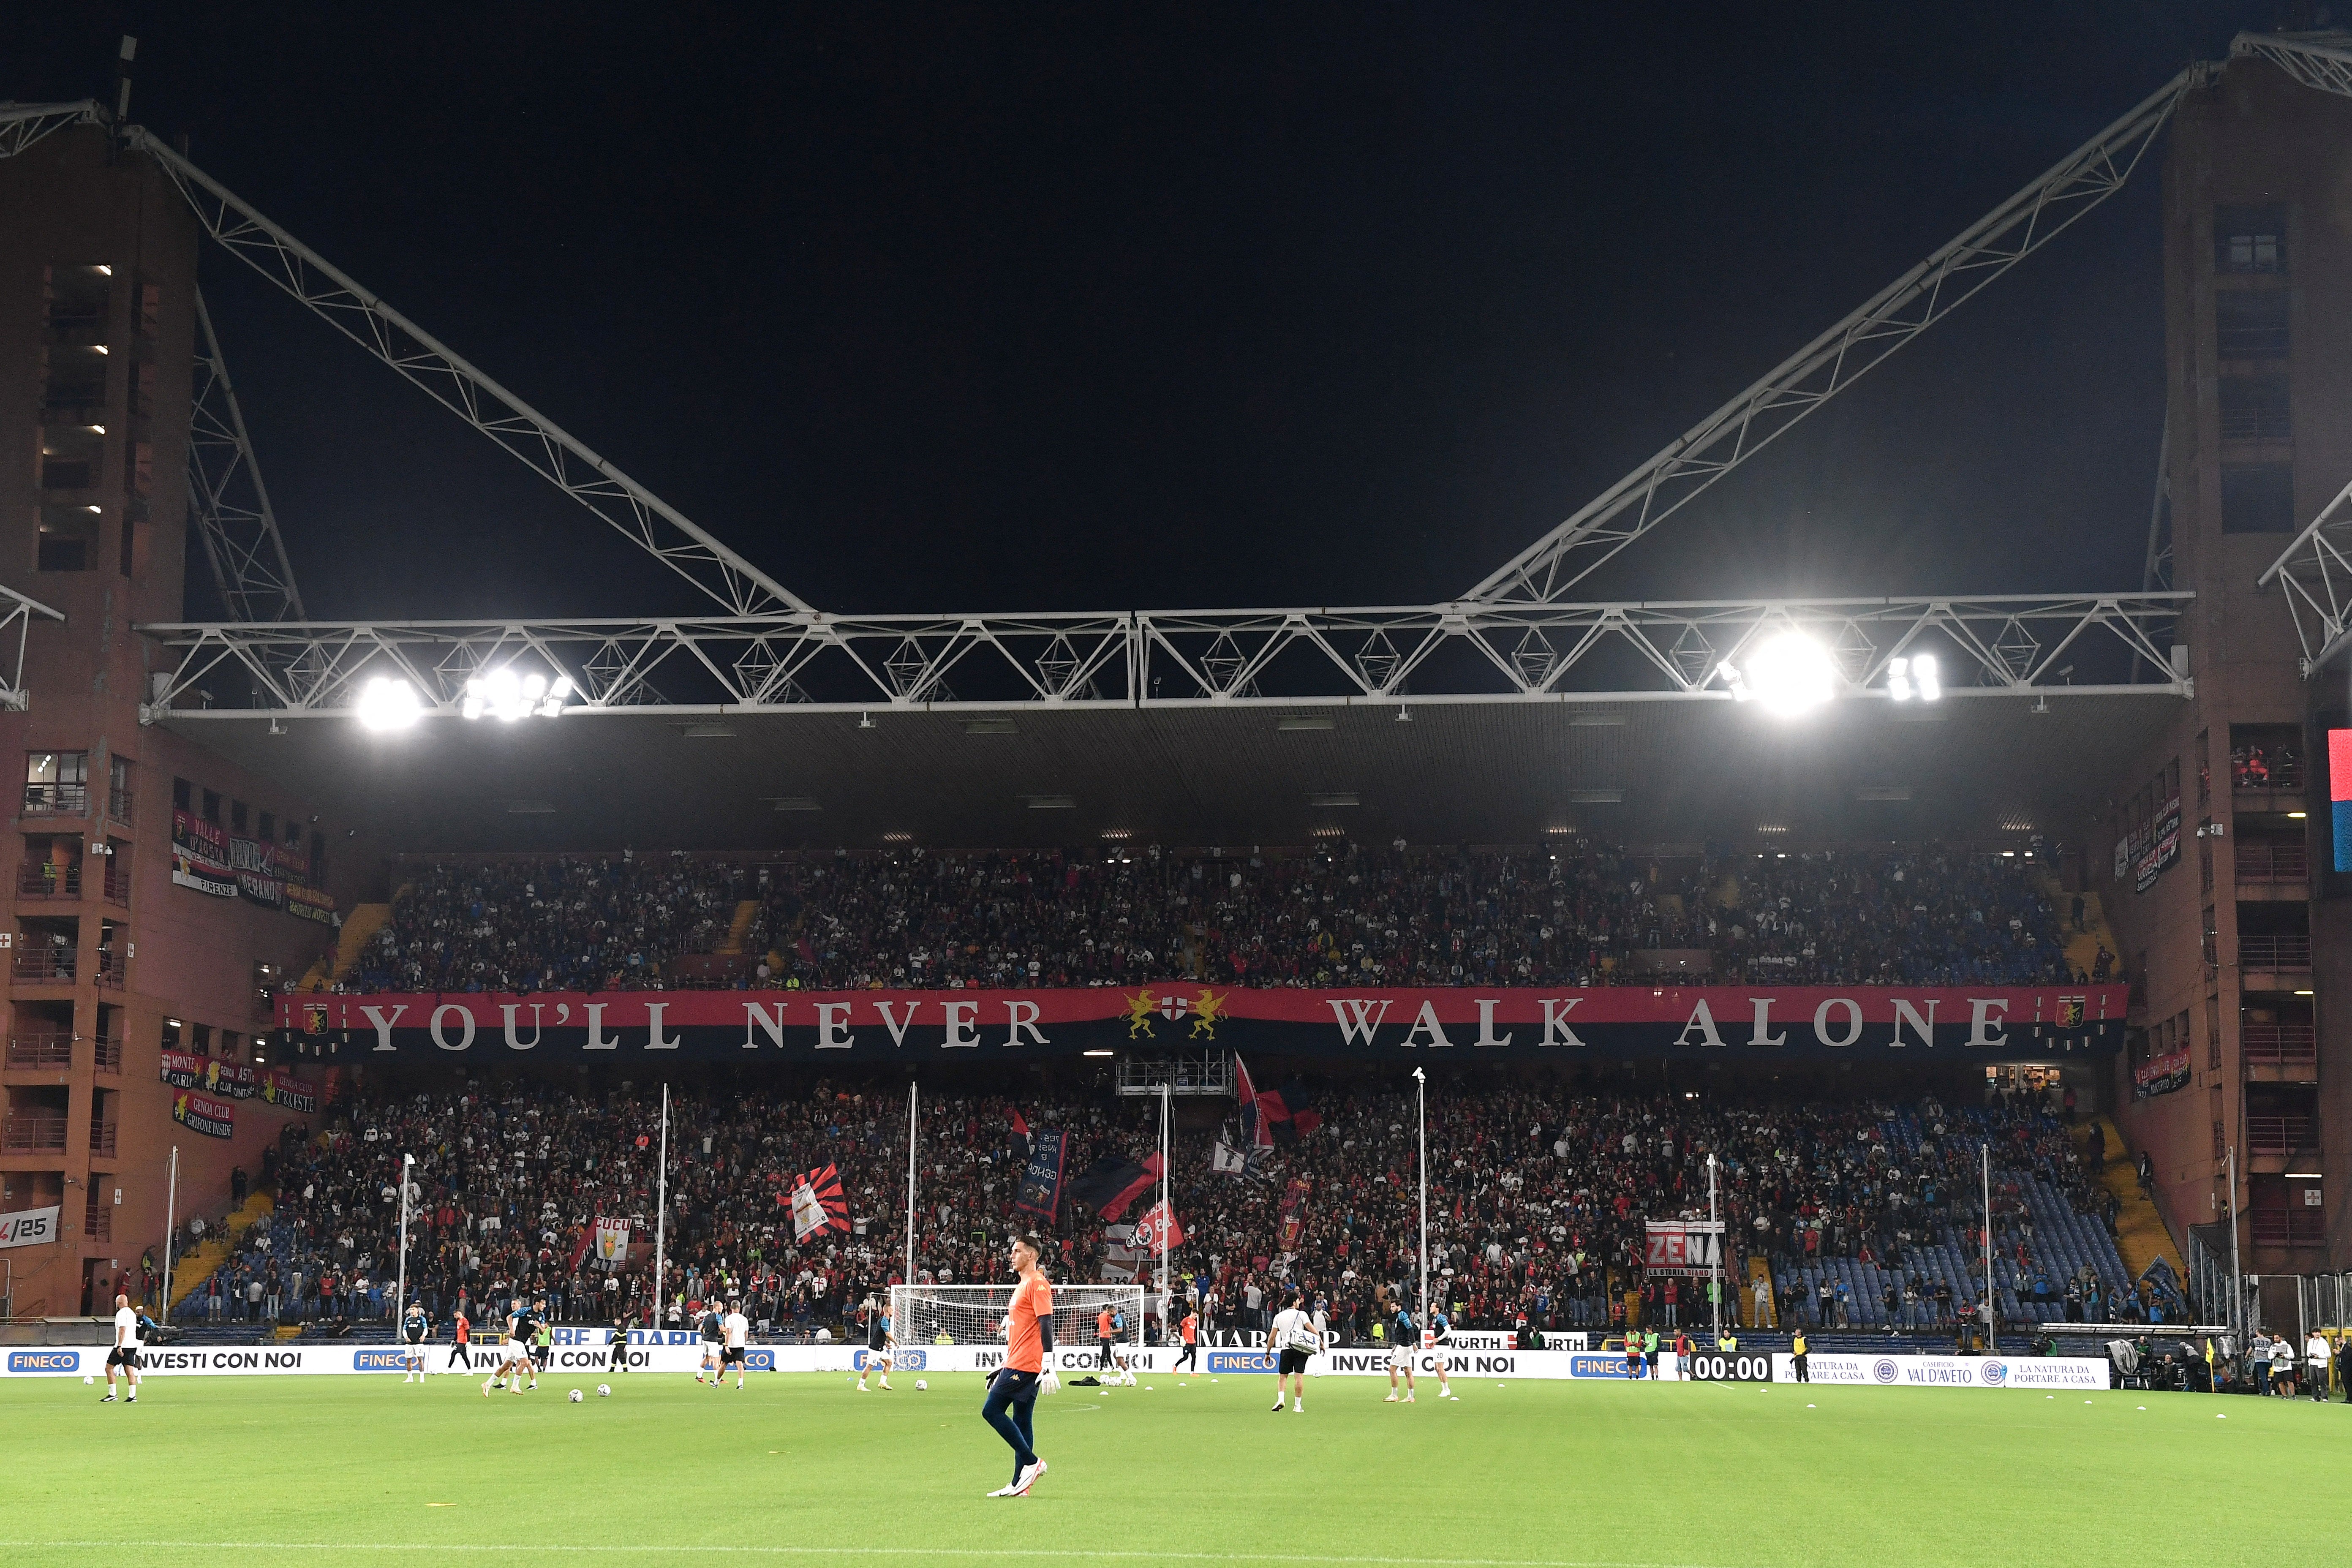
1049 307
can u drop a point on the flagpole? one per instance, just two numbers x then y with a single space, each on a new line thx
661 1204
1420 1096
1985 1149
910 1183
171 1234
400 1291
1715 1274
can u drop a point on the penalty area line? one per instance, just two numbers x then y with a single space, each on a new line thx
992 1553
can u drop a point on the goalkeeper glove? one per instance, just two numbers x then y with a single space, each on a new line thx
1047 1383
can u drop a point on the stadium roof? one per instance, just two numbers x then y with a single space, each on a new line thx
1499 773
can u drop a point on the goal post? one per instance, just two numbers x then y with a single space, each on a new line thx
924 1315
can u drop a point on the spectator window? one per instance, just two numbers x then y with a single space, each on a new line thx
2250 323
293 834
78 298
212 806
2257 498
269 827
237 816
2250 239
57 781
73 387
174 1033
70 456
182 793
202 1043
68 535
2254 408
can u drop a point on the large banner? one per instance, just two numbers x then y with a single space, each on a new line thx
1040 1192
213 1118
287 1093
1714 1022
2161 1075
200 856
26 1228
2151 848
181 1069
277 876
1690 1248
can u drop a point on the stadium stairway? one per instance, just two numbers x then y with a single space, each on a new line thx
190 1269
746 911
2082 946
2141 1235
1758 1268
359 926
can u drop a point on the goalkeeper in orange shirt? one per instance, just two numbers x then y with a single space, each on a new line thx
1013 1391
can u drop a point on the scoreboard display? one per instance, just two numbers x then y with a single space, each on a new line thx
1740 1366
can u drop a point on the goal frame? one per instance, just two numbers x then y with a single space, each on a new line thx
973 1315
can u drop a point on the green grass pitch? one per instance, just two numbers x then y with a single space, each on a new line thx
257 1471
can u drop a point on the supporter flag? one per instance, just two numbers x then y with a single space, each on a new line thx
2339 794
1111 1183
1289 1111
1157 1228
1228 1160
612 1240
818 1204
1040 1192
1292 1196
1021 1135
1256 1131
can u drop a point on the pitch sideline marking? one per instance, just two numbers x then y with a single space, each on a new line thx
1006 1554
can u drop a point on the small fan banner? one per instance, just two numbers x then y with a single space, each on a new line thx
818 1204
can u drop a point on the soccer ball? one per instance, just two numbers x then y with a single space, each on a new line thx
604 1390
88 1379
921 1386
575 1396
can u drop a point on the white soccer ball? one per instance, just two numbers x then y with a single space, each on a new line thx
604 1390
921 1386
88 1379
575 1396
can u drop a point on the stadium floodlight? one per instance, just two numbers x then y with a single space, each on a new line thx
506 693
1914 677
387 702
1789 675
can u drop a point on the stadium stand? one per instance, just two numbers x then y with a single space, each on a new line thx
1538 1198
1353 913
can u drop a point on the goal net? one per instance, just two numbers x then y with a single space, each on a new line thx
974 1314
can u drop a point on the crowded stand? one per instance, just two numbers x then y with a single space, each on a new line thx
1351 914
1865 1214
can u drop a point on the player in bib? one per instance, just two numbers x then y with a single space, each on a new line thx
514 1359
416 1328
714 1333
1436 1340
881 1341
1403 1337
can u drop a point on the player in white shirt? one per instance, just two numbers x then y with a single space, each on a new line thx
125 1353
1293 1340
1322 1330
736 1329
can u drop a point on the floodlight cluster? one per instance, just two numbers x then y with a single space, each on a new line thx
1914 677
387 702
502 693
1790 674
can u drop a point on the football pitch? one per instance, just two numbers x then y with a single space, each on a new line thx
257 1471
